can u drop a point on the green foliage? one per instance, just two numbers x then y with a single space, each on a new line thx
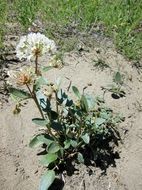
47 179
121 20
3 19
78 129
100 64
41 122
76 92
117 87
80 158
40 139
19 94
81 123
70 128
26 11
48 158
118 79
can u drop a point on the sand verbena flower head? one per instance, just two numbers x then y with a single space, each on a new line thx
24 76
34 45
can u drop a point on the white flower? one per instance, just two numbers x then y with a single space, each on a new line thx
34 45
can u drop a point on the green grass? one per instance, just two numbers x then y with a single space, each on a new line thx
26 11
122 20
3 18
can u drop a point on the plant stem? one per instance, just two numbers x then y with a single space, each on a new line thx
36 64
38 106
33 95
29 90
57 108
79 131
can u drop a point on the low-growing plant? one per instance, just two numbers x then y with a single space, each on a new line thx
138 66
100 64
72 130
117 87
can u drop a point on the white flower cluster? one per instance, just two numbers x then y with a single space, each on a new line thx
34 44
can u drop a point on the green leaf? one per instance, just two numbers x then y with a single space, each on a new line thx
61 152
60 94
41 122
19 93
35 142
80 157
76 91
53 148
86 138
118 78
105 115
42 99
54 115
56 126
46 180
99 121
45 69
84 103
39 140
73 143
67 144
58 83
40 81
73 126
15 98
91 101
48 158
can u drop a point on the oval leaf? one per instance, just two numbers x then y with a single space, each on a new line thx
53 148
100 121
118 78
73 143
39 140
47 68
46 180
67 144
86 138
80 157
19 93
76 91
84 103
56 126
39 121
91 101
48 158
40 81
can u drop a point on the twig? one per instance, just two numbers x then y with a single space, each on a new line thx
68 88
82 184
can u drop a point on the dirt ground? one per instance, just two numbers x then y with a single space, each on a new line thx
19 164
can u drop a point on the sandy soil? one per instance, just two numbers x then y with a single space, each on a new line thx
19 165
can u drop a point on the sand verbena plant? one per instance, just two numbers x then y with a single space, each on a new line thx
71 129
